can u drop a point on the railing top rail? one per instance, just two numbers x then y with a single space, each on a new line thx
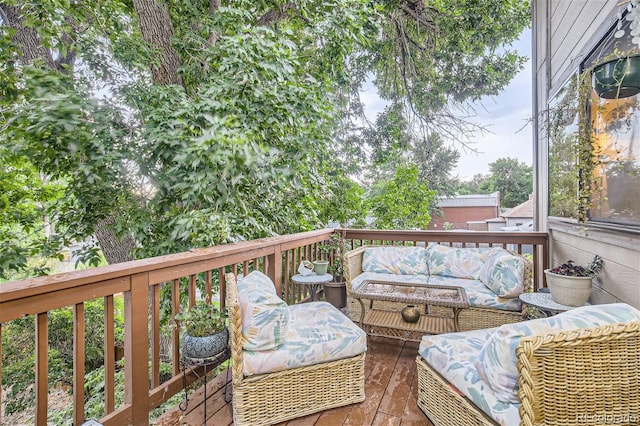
19 289
449 236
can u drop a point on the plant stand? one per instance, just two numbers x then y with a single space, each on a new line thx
194 364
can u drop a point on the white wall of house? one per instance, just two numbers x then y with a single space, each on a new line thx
564 32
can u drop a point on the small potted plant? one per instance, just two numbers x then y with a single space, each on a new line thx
570 284
335 292
205 331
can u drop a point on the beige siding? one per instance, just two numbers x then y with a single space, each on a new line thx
565 31
620 277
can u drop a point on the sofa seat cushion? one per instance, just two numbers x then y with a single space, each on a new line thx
395 260
396 278
479 295
496 362
453 356
318 332
457 262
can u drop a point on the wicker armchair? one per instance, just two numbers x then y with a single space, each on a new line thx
580 377
473 318
276 397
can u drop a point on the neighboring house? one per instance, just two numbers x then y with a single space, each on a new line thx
569 37
458 211
520 217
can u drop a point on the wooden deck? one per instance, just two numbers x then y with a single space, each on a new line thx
390 386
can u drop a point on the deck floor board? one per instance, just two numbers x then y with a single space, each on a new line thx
390 395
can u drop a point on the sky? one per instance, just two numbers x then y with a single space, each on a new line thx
505 115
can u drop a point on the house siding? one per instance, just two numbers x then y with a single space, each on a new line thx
565 32
459 216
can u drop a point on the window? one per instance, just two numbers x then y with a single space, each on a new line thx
594 146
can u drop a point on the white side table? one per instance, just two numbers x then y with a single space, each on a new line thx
312 282
544 302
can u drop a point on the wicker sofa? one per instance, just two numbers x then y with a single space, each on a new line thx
551 371
475 269
283 357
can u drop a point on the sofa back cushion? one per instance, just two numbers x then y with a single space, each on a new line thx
395 260
265 317
496 361
503 273
456 262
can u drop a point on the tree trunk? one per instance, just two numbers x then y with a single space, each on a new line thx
115 250
157 30
25 37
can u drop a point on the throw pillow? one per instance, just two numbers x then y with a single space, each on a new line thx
456 262
503 273
265 317
395 260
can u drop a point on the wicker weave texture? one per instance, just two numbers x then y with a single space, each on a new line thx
442 405
280 396
581 377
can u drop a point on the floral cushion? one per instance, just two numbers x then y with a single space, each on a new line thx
503 273
379 276
395 260
453 355
479 295
318 332
456 262
265 317
496 362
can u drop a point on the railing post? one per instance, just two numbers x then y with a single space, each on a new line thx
274 267
136 348
42 368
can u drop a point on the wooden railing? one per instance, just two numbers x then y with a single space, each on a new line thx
141 283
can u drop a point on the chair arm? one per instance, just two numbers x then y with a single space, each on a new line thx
579 374
352 261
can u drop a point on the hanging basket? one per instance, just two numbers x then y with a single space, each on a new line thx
619 78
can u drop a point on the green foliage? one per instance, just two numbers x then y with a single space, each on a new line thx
477 185
18 359
202 319
513 179
402 202
250 143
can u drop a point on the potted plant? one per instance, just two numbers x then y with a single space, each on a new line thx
570 284
205 331
335 292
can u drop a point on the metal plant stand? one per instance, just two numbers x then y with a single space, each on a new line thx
206 363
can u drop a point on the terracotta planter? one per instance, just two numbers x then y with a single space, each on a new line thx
619 78
568 290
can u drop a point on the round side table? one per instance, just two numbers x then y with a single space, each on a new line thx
544 303
312 282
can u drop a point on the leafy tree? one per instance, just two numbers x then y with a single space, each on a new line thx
402 202
477 185
174 125
513 179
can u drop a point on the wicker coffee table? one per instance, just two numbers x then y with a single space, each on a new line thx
389 323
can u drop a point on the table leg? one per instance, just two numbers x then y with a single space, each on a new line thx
456 313
361 311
